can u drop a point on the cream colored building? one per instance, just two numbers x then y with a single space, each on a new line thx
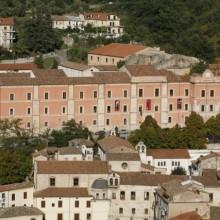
17 194
7 32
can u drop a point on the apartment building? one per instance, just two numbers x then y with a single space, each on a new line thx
7 32
47 98
16 195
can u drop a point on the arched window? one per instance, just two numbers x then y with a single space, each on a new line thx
116 181
111 181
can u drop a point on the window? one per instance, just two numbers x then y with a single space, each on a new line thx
106 60
28 96
59 216
43 204
211 108
186 92
81 95
64 95
11 111
122 195
60 204
76 216
13 197
133 210
25 195
76 204
146 211
94 109
91 57
88 204
95 94
212 93
203 93
81 109
140 109
171 92
109 94
120 210
28 111
125 93
53 204
113 195
125 121
125 108
146 195
64 110
202 108
140 92
148 104
156 108
46 95
186 107
45 123
11 97
156 92
179 104
108 109
117 105
52 181
88 216
46 110
94 122
75 181
132 195
170 107
169 119
113 60
107 121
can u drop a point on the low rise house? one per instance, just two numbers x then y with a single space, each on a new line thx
7 32
113 53
21 213
17 67
177 197
16 194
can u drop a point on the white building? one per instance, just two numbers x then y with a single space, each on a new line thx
17 194
7 32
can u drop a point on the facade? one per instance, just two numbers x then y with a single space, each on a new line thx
47 98
7 32
16 195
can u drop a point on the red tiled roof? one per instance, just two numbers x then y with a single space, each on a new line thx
188 216
96 16
123 157
168 153
72 167
15 186
18 66
7 21
212 154
118 50
63 192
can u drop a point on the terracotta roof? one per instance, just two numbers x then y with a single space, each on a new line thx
7 21
96 16
188 216
107 68
18 66
148 167
16 186
211 155
59 18
168 153
19 212
62 192
69 150
111 142
117 50
74 65
72 167
214 212
150 70
123 157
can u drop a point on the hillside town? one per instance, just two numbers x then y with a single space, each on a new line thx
99 127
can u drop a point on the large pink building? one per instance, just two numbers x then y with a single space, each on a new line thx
47 98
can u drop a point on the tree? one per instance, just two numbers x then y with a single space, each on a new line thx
199 67
178 171
213 128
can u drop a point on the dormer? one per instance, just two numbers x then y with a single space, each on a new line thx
141 147
113 180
